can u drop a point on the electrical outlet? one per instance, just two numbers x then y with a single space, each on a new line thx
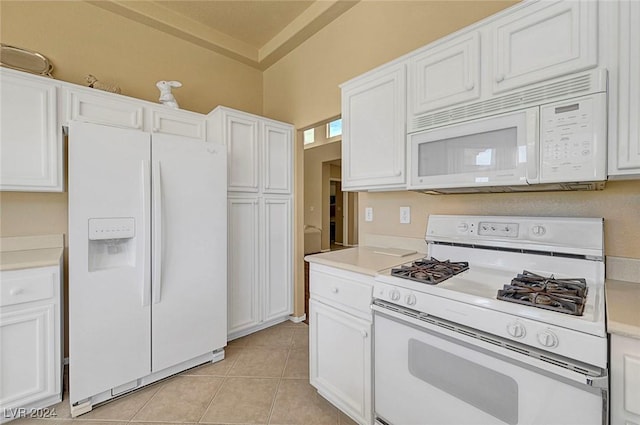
368 214
405 215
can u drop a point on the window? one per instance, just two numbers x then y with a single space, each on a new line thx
334 128
309 136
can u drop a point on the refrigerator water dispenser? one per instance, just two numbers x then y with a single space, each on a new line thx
111 243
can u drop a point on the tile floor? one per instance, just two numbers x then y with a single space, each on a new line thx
264 379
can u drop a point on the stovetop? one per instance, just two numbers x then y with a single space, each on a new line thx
566 295
489 271
430 270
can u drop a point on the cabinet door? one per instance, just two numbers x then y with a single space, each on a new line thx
444 75
31 148
243 267
241 137
178 123
373 130
340 359
277 143
277 254
27 341
97 107
625 380
624 158
542 41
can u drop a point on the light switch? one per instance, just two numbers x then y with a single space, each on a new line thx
405 215
368 214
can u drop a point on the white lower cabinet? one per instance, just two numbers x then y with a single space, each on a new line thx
260 250
625 380
340 326
30 340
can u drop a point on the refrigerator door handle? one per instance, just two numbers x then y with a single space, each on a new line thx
146 258
156 273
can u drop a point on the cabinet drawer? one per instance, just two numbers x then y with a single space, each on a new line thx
347 292
21 286
107 109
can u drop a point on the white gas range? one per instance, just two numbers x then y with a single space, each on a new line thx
449 351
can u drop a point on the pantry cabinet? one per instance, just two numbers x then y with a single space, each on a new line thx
624 106
445 74
625 380
541 41
260 211
31 151
260 280
340 325
373 130
30 339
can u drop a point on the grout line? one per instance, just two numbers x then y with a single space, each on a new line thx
275 395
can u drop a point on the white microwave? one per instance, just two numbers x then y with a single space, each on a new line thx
554 146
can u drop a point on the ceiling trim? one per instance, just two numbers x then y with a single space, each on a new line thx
154 15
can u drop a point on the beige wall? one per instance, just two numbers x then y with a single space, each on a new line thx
80 39
302 88
618 204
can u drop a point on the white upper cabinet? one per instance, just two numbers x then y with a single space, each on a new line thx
31 152
624 103
445 74
260 151
165 120
543 40
241 138
97 107
373 130
277 157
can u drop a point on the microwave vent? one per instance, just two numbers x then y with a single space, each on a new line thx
544 187
568 87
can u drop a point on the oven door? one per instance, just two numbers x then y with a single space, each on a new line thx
495 151
428 374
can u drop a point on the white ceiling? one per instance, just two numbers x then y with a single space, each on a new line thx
255 32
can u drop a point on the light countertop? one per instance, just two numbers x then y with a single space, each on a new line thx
623 308
30 251
364 259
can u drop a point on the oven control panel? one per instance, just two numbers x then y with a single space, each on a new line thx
509 230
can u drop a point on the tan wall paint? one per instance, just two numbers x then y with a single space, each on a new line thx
618 204
80 39
302 88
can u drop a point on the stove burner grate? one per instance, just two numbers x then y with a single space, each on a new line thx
430 271
562 295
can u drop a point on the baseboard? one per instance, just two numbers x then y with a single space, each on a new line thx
298 319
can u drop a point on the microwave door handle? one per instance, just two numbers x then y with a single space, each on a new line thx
532 130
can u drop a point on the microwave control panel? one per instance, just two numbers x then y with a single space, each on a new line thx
573 140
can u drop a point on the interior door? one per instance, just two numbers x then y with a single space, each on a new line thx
109 312
189 246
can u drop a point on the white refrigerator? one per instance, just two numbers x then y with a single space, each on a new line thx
147 259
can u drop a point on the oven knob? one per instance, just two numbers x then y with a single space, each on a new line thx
463 227
395 295
516 330
538 230
548 339
410 299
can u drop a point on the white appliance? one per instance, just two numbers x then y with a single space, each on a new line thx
454 353
542 143
147 259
